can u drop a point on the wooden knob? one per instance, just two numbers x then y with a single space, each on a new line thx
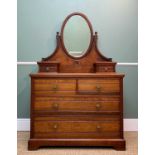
55 126
55 105
98 106
55 87
47 68
98 127
106 68
98 88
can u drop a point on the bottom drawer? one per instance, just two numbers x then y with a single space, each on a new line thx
77 127
74 135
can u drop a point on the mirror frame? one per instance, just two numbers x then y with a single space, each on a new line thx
91 34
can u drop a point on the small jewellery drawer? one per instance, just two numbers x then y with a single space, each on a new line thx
52 126
100 68
54 85
68 104
98 86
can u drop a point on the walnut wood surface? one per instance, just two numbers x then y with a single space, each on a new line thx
76 101
72 75
48 104
76 126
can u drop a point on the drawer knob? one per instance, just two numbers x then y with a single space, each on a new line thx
55 126
55 87
98 88
98 106
98 127
55 105
47 69
105 68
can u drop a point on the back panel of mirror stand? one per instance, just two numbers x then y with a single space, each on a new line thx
93 61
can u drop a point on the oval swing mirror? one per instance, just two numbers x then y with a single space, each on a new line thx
76 35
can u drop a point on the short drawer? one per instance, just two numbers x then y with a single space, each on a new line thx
71 128
109 103
54 85
98 86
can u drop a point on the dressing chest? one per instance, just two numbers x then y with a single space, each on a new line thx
76 98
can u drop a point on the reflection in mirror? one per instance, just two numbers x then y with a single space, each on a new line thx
76 36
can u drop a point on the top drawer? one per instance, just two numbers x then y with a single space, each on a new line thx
54 85
98 86
80 86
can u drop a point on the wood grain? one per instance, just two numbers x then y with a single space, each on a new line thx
75 105
99 85
76 126
76 101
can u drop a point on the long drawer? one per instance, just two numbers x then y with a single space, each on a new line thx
73 127
108 103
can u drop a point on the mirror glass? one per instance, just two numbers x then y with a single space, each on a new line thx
76 36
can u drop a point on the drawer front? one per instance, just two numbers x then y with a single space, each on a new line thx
53 93
50 87
74 135
70 104
78 118
101 68
54 85
76 126
71 128
99 86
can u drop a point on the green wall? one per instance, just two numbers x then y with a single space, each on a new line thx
114 20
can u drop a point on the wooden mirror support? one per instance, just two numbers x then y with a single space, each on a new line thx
76 101
91 62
